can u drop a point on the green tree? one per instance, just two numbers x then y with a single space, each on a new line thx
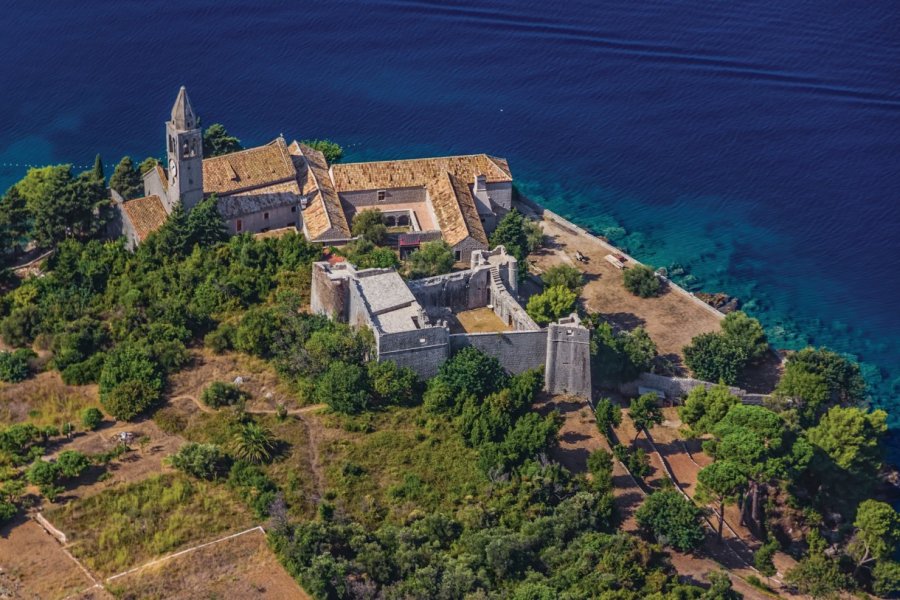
671 519
369 224
721 482
747 333
15 221
600 466
470 371
705 407
91 418
645 412
851 438
217 141
763 558
203 461
886 578
129 399
512 235
817 576
60 205
392 385
720 587
365 255
877 533
97 171
126 179
253 443
331 151
72 463
344 387
552 304
147 165
818 379
563 275
205 225
430 259
641 281
715 357
620 356
608 415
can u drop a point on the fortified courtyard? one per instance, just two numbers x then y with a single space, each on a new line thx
418 324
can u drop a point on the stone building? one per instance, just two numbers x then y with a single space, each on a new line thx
280 185
420 324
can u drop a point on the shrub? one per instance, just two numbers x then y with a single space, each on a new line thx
344 387
563 275
635 460
257 490
85 372
204 461
91 418
641 281
600 466
553 303
7 511
330 150
20 327
72 463
129 399
129 363
472 372
219 394
671 519
762 558
221 338
608 415
14 365
746 332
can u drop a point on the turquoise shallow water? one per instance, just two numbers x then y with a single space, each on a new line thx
755 143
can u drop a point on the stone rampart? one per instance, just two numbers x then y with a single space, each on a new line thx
517 351
464 290
422 350
568 365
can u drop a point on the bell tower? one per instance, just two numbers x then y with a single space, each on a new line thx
184 149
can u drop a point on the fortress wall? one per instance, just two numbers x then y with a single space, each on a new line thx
327 296
458 291
517 351
422 350
509 310
568 366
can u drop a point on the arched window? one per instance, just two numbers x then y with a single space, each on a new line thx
390 221
403 220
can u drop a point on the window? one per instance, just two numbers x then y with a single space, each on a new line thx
238 226
293 209
381 195
390 221
265 215
403 220
457 255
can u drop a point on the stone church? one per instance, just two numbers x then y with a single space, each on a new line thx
280 186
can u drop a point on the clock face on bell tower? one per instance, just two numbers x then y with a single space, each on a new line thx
173 168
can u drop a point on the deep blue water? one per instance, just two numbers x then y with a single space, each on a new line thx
756 143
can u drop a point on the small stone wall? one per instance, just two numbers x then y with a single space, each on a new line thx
517 351
458 291
676 388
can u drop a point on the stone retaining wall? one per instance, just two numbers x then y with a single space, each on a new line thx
676 388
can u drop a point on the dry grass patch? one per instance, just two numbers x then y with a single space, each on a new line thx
45 400
127 526
242 567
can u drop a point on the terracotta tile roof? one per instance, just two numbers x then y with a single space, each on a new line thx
455 210
163 178
248 169
146 215
324 216
417 172
256 200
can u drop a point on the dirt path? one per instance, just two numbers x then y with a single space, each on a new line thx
314 437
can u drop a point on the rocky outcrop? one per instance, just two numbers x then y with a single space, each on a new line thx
721 302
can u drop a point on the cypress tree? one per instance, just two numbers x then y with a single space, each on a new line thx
98 169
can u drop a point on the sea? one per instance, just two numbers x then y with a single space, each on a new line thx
754 144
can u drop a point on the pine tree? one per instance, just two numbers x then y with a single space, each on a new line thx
98 169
